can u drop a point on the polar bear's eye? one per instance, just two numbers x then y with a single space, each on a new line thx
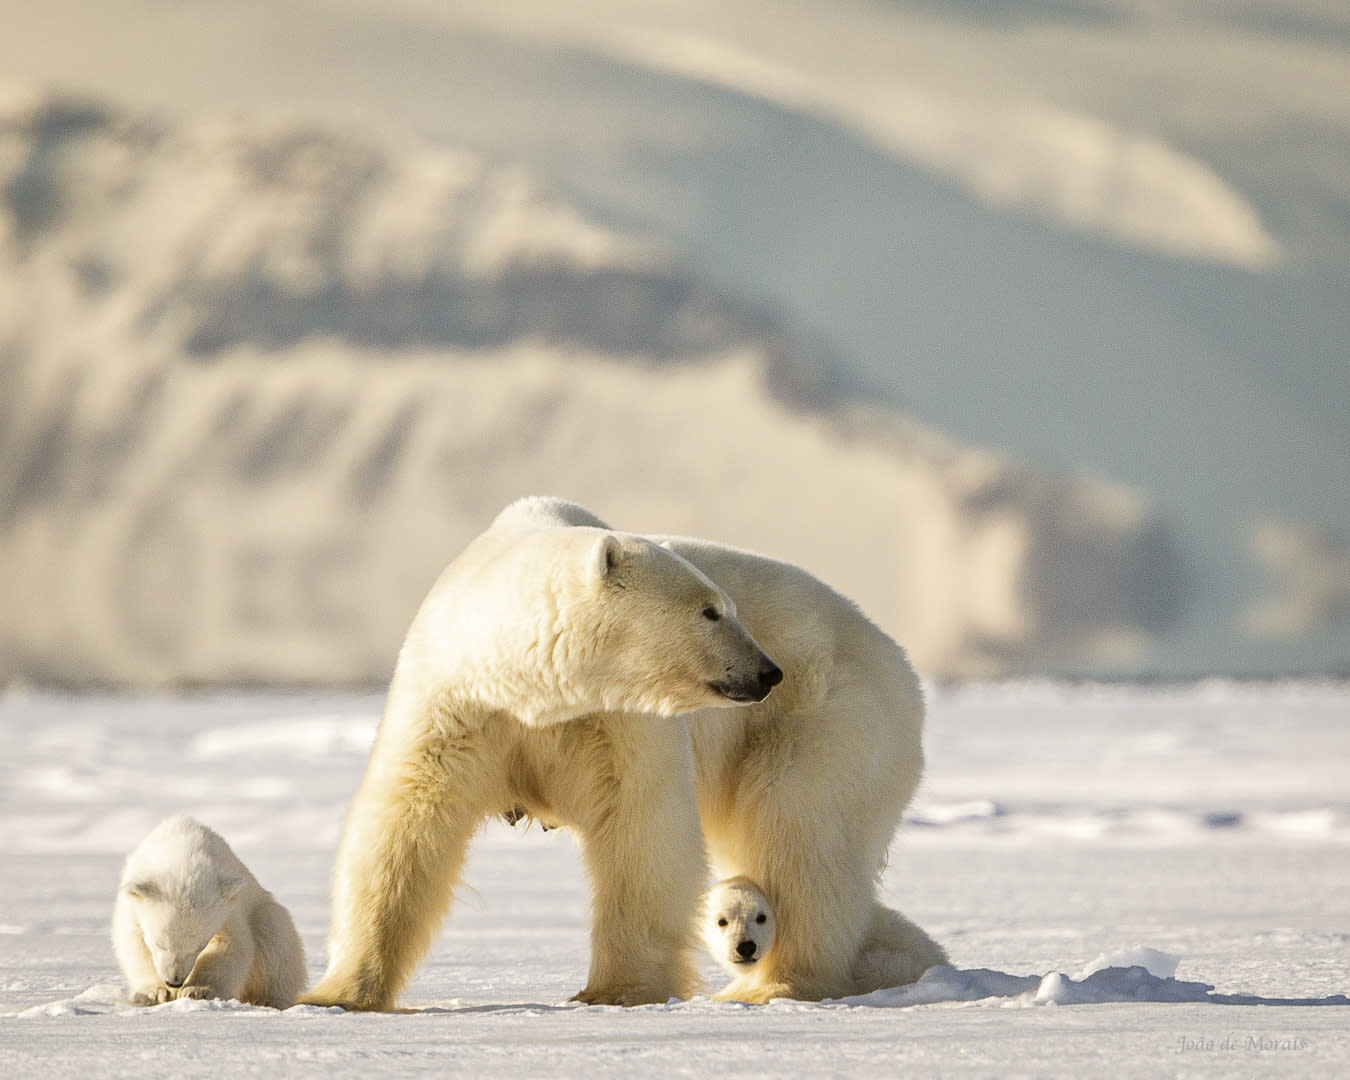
721 922
711 613
760 917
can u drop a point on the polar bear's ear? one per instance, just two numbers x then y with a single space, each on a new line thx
606 556
141 890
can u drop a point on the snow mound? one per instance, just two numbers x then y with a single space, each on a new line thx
1161 964
945 985
1114 984
98 1000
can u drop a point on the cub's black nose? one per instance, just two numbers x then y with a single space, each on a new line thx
745 949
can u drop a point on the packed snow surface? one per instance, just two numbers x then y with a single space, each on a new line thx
1115 872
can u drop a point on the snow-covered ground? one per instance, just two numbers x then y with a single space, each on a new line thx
1201 833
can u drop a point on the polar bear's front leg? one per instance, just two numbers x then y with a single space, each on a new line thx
637 822
144 986
402 850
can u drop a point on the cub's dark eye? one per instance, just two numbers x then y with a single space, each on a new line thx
721 922
760 917
711 613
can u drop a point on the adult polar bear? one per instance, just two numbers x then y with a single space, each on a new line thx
545 668
802 793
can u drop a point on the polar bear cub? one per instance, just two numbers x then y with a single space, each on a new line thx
190 921
739 929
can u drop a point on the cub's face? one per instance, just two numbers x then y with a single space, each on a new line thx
739 925
177 928
668 638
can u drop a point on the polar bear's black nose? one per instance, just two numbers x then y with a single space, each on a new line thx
750 686
769 676
746 949
173 985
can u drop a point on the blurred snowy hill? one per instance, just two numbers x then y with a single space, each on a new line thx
262 381
293 296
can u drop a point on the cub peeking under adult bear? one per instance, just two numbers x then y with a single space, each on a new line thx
802 793
740 928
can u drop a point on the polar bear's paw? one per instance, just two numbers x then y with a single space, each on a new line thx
330 993
624 995
156 995
755 993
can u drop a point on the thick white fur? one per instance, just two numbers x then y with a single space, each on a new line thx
740 928
802 792
190 921
546 670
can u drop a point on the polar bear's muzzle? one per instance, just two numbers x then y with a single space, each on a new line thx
751 688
